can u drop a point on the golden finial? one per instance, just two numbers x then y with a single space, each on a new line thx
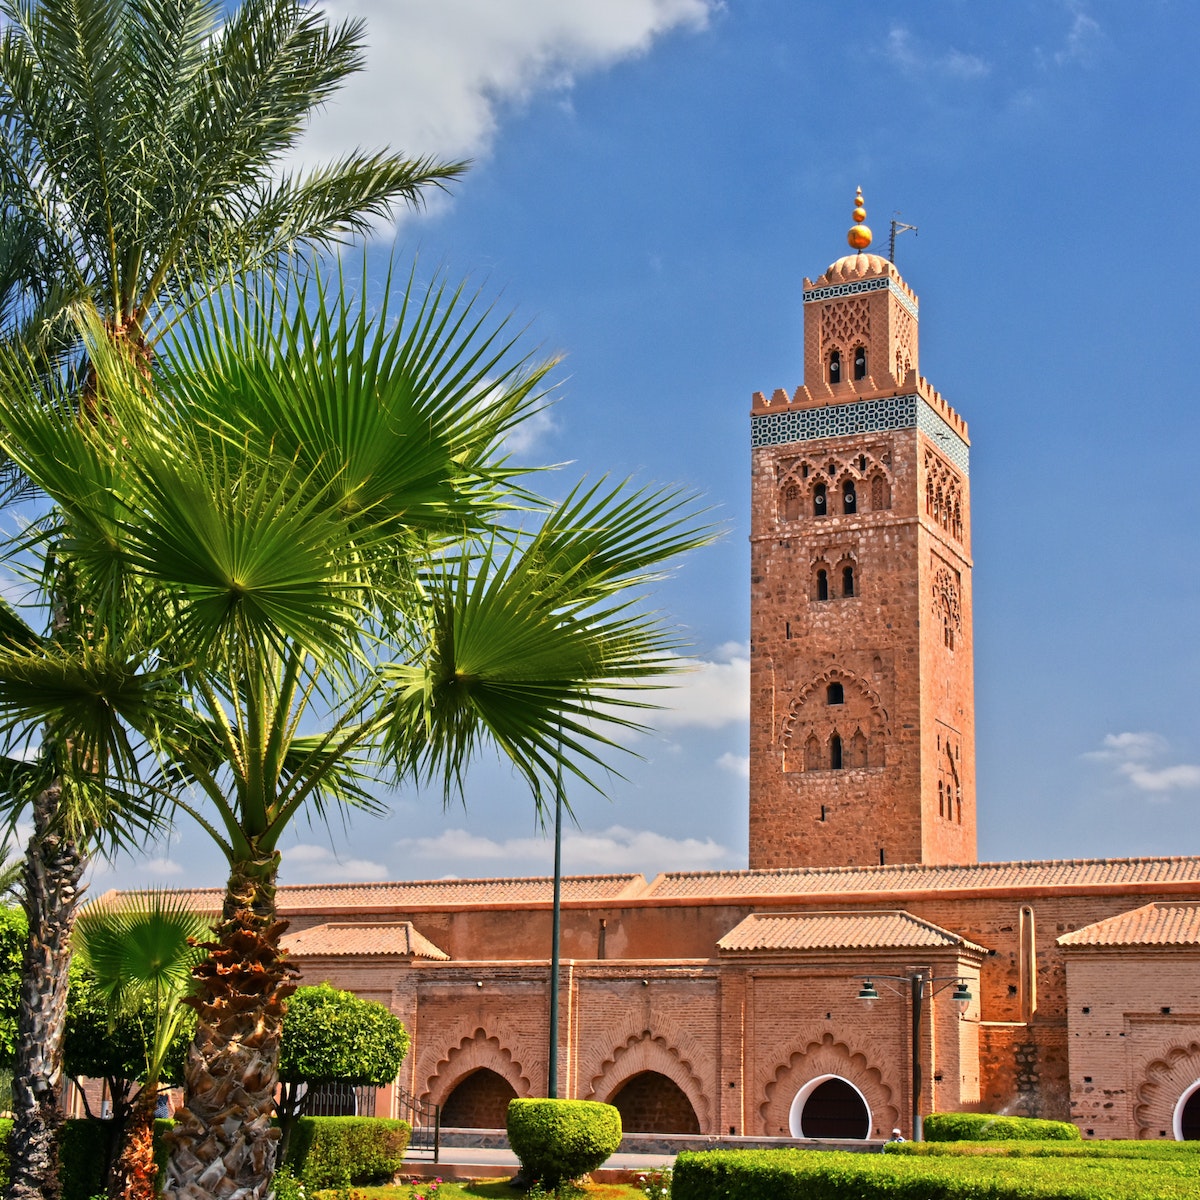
859 236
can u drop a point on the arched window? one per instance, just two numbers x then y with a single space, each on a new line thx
791 502
835 694
849 497
822 584
847 581
860 362
879 493
812 753
941 798
835 753
858 749
835 366
820 507
929 496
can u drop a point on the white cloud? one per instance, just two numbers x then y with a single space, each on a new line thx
739 764
530 433
1121 746
914 57
439 75
1083 41
711 694
161 868
307 863
614 850
1132 755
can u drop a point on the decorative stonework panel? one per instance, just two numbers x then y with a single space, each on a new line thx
862 416
845 324
878 284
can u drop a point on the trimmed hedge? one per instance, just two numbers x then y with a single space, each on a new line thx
329 1151
1166 1150
838 1175
84 1154
983 1127
561 1139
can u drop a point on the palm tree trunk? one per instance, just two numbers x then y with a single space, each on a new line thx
53 869
134 1174
223 1144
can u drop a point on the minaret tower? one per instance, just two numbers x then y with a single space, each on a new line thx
862 726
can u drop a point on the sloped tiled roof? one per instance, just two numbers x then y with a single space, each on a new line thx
839 931
1001 876
1169 923
394 937
433 893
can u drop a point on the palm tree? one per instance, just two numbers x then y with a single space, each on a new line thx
142 147
324 542
139 953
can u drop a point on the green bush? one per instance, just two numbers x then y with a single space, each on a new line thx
558 1140
84 1155
837 1175
983 1127
1102 1149
329 1151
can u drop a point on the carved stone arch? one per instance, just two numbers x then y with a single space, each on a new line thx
784 1074
1166 1083
813 720
646 1051
881 490
791 497
822 681
479 1050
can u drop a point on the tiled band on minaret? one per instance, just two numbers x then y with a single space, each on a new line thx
862 733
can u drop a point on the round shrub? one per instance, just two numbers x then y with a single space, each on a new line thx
983 1127
558 1140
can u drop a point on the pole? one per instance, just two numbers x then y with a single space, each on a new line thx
917 983
552 1081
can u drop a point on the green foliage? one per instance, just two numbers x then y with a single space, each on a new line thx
983 1127
327 1151
559 1140
330 1035
838 1175
1164 1150
12 949
656 1184
83 1155
100 1048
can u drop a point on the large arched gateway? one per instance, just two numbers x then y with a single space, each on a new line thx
830 1107
650 1102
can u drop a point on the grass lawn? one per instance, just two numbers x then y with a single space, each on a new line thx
477 1189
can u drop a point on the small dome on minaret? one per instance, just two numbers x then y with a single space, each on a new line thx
859 235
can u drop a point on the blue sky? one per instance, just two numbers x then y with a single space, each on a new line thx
653 180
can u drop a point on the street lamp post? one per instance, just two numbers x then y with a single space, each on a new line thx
918 980
556 933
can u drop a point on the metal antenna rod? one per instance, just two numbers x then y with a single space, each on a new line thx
897 227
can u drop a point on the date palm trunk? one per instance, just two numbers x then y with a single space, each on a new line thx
223 1144
53 869
135 1172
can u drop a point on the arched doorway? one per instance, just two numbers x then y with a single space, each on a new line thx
650 1102
1187 1115
830 1107
478 1101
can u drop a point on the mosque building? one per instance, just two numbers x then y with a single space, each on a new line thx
866 969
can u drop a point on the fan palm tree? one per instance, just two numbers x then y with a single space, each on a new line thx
143 145
334 572
139 953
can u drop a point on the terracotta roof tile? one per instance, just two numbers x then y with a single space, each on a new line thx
1170 923
801 881
435 893
839 931
394 937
